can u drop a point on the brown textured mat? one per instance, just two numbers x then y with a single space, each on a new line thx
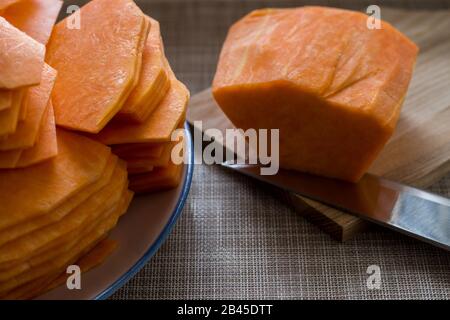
235 239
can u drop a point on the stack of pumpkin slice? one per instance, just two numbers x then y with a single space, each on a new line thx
60 192
55 212
118 87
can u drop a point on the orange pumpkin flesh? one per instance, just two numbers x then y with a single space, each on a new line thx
60 211
87 262
37 99
111 67
80 162
330 85
34 17
157 180
45 148
21 58
6 3
9 118
5 99
54 266
144 150
139 160
153 82
78 189
36 248
158 127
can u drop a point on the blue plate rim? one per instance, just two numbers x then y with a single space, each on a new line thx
106 293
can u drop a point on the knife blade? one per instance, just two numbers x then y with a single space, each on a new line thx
416 213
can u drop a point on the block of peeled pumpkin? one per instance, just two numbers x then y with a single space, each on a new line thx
153 81
34 17
332 86
97 70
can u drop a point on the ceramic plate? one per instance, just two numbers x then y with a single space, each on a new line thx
140 233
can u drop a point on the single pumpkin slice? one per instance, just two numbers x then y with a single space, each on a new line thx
153 82
331 86
96 64
159 125
34 17
34 191
21 58
36 99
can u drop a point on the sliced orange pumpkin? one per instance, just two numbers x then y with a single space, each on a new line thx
6 3
158 127
46 146
34 17
9 159
153 82
83 246
138 160
66 233
46 283
43 239
92 259
37 99
5 99
84 232
151 150
53 216
9 118
37 260
140 168
34 191
21 58
110 36
157 180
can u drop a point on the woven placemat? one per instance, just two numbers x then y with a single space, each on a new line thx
235 239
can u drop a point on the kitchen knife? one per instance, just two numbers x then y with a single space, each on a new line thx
417 213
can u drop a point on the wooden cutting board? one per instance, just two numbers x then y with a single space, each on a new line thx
418 154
